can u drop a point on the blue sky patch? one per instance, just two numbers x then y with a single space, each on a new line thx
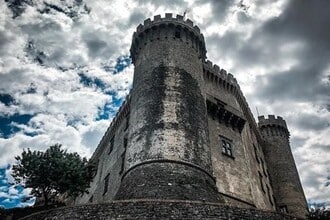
110 108
91 81
121 63
12 195
6 127
6 99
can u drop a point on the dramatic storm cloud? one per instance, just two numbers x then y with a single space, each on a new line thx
65 69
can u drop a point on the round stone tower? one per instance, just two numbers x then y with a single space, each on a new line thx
288 192
168 151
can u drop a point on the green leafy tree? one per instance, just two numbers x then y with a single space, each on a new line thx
319 214
53 172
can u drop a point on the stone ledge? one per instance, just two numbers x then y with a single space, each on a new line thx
156 209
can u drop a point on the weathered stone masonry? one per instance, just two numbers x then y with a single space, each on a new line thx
156 209
186 132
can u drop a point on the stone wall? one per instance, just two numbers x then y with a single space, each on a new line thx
288 192
156 209
109 162
242 176
168 122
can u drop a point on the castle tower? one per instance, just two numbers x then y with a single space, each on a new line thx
168 151
288 192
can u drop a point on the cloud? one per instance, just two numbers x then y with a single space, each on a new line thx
12 195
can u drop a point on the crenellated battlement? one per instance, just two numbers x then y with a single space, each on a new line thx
227 81
168 27
179 19
215 70
271 121
274 126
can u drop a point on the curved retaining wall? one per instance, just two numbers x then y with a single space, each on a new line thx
156 209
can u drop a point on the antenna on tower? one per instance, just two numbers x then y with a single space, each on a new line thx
257 111
185 13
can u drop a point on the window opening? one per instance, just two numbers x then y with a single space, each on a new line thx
261 182
177 33
123 157
106 184
283 209
111 144
226 147
127 122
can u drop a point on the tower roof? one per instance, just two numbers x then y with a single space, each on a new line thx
271 121
169 20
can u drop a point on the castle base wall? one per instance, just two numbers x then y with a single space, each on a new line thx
156 209
164 179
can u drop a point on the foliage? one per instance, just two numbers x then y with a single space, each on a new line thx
53 172
319 214
20 212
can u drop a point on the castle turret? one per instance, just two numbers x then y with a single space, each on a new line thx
168 150
288 193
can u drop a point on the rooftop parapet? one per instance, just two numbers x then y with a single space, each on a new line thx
227 81
179 19
271 121
217 71
148 26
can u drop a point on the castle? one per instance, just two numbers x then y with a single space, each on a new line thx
186 132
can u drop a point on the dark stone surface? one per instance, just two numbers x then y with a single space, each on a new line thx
185 102
165 180
156 209
282 169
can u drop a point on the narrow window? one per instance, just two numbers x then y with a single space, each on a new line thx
226 147
122 163
127 122
256 153
96 168
263 167
269 196
283 209
123 157
106 184
261 183
111 144
177 33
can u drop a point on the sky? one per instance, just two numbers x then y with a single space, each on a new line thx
65 68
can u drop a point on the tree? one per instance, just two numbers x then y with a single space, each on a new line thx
319 214
53 172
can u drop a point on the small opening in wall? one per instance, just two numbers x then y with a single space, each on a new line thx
127 122
122 167
283 209
111 145
261 182
269 196
177 33
227 147
256 153
106 184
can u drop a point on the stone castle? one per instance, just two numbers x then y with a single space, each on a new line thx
186 132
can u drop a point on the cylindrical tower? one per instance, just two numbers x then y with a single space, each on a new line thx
168 152
288 192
